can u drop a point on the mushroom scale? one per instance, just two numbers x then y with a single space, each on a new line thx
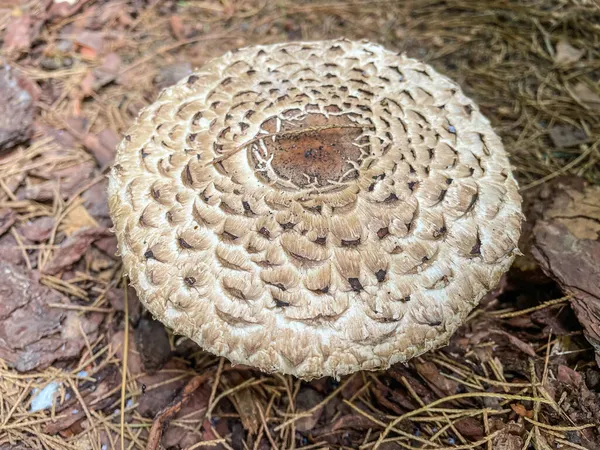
314 208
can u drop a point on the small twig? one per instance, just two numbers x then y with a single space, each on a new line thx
213 391
170 411
206 444
124 373
17 237
522 312
81 308
558 428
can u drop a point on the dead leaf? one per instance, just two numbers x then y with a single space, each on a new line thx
171 74
569 376
307 399
116 298
73 248
470 428
585 94
521 410
564 136
32 334
134 361
7 220
152 400
193 410
87 84
566 53
176 26
17 37
65 8
245 403
441 385
37 230
518 343
102 146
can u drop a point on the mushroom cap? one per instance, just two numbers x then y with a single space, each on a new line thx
314 208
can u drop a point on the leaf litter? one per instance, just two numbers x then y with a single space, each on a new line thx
522 372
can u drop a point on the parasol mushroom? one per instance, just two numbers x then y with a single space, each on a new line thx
314 208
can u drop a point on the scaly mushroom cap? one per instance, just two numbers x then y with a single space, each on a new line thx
314 208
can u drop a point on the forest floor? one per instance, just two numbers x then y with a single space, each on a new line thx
521 373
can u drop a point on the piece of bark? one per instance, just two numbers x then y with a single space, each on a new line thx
16 107
73 248
567 247
34 334
38 230
7 219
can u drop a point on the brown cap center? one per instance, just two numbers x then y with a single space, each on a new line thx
314 150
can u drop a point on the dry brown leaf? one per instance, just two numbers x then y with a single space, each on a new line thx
102 147
245 403
566 53
585 94
152 400
73 248
470 428
440 384
521 410
7 219
87 84
76 219
177 28
37 230
17 37
134 361
569 376
564 136
307 399
518 343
